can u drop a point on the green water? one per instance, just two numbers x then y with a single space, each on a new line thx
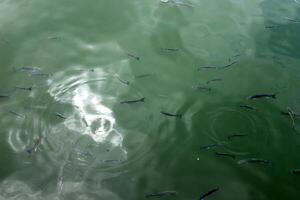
111 151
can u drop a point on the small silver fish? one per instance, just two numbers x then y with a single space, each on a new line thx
133 56
210 192
295 171
210 146
247 107
16 114
23 88
254 161
171 114
259 96
143 75
4 96
235 135
123 81
170 49
28 69
161 194
60 115
133 101
225 154
214 80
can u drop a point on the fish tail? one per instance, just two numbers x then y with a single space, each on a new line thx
180 116
143 99
273 96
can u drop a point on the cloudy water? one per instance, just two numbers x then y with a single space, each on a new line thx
162 99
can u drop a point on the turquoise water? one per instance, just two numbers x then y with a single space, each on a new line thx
65 134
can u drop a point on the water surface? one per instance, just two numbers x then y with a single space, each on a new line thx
82 58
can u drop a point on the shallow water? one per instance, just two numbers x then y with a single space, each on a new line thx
82 58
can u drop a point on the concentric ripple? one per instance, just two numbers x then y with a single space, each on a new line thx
218 126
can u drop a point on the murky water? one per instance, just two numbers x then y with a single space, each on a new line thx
67 65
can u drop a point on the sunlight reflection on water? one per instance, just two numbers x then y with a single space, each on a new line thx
98 118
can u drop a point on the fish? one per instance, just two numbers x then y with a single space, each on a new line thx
203 88
60 115
23 88
287 113
235 135
222 67
258 96
254 161
4 96
210 146
143 75
225 154
37 143
295 171
171 114
133 101
292 20
28 69
170 49
210 192
123 81
89 70
161 194
54 38
290 112
16 114
272 26
133 56
247 107
207 67
40 74
213 80
229 65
